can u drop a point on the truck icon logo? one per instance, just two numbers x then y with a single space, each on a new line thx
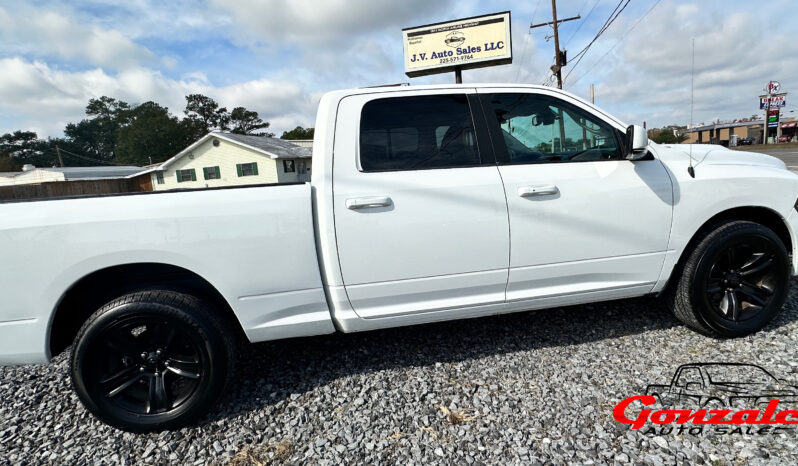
722 385
455 39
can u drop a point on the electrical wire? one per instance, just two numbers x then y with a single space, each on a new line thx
581 23
529 34
625 35
83 157
613 16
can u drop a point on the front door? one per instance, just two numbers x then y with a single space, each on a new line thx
420 214
585 223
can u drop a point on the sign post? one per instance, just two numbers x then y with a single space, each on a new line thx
774 99
458 45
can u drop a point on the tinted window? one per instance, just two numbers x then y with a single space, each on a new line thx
540 129
410 133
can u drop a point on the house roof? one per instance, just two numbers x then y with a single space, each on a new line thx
90 173
270 147
723 125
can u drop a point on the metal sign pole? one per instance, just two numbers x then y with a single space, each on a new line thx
458 75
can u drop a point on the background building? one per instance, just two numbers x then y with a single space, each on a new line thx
224 159
33 175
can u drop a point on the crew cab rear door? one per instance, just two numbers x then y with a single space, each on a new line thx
420 213
586 223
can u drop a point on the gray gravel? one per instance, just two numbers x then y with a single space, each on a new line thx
535 387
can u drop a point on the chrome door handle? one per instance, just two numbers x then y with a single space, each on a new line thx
368 202
538 190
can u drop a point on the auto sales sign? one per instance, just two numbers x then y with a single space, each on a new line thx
465 43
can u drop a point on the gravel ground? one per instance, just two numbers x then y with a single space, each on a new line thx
535 387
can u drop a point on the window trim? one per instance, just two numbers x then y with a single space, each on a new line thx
500 147
474 122
192 175
216 172
240 169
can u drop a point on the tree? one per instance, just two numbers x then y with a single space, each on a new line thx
97 136
245 121
153 134
8 164
22 147
205 115
666 136
298 133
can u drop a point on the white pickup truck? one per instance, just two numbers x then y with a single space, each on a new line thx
426 204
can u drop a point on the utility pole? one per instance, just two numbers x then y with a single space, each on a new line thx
60 160
592 94
559 57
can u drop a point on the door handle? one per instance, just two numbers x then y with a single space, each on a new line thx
368 202
538 190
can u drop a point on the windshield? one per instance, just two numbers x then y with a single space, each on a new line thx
739 374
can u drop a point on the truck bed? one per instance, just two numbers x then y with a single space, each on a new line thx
254 245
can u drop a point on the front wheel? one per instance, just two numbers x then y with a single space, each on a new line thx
151 360
733 282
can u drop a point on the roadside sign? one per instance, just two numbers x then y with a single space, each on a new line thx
773 87
464 43
779 100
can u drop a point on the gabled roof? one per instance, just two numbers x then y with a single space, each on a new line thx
270 147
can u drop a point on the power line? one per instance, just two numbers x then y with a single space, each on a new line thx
625 35
616 12
529 34
581 24
83 157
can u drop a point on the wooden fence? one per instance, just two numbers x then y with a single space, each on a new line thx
72 188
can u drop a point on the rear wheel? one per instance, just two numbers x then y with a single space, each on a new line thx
151 360
733 282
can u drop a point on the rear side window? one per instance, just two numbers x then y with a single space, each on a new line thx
414 133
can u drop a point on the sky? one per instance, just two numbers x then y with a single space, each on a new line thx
279 56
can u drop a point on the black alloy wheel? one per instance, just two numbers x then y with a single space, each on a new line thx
743 278
733 281
151 360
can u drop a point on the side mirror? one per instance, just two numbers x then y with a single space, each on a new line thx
636 142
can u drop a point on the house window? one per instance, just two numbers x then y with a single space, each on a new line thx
186 175
159 177
211 173
288 166
247 169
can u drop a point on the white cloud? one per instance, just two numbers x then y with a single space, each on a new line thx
41 33
648 76
287 21
44 99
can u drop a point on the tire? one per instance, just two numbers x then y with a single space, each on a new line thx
733 282
152 360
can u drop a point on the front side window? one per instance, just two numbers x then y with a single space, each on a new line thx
541 129
413 133
689 375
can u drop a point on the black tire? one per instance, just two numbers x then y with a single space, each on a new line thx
152 360
748 298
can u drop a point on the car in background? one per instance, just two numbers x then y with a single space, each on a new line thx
785 138
745 141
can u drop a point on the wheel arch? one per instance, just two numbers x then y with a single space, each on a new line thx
757 214
93 290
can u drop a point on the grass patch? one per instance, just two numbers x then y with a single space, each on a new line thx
456 417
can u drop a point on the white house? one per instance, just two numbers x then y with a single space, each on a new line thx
224 159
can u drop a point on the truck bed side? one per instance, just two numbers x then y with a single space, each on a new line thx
254 245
